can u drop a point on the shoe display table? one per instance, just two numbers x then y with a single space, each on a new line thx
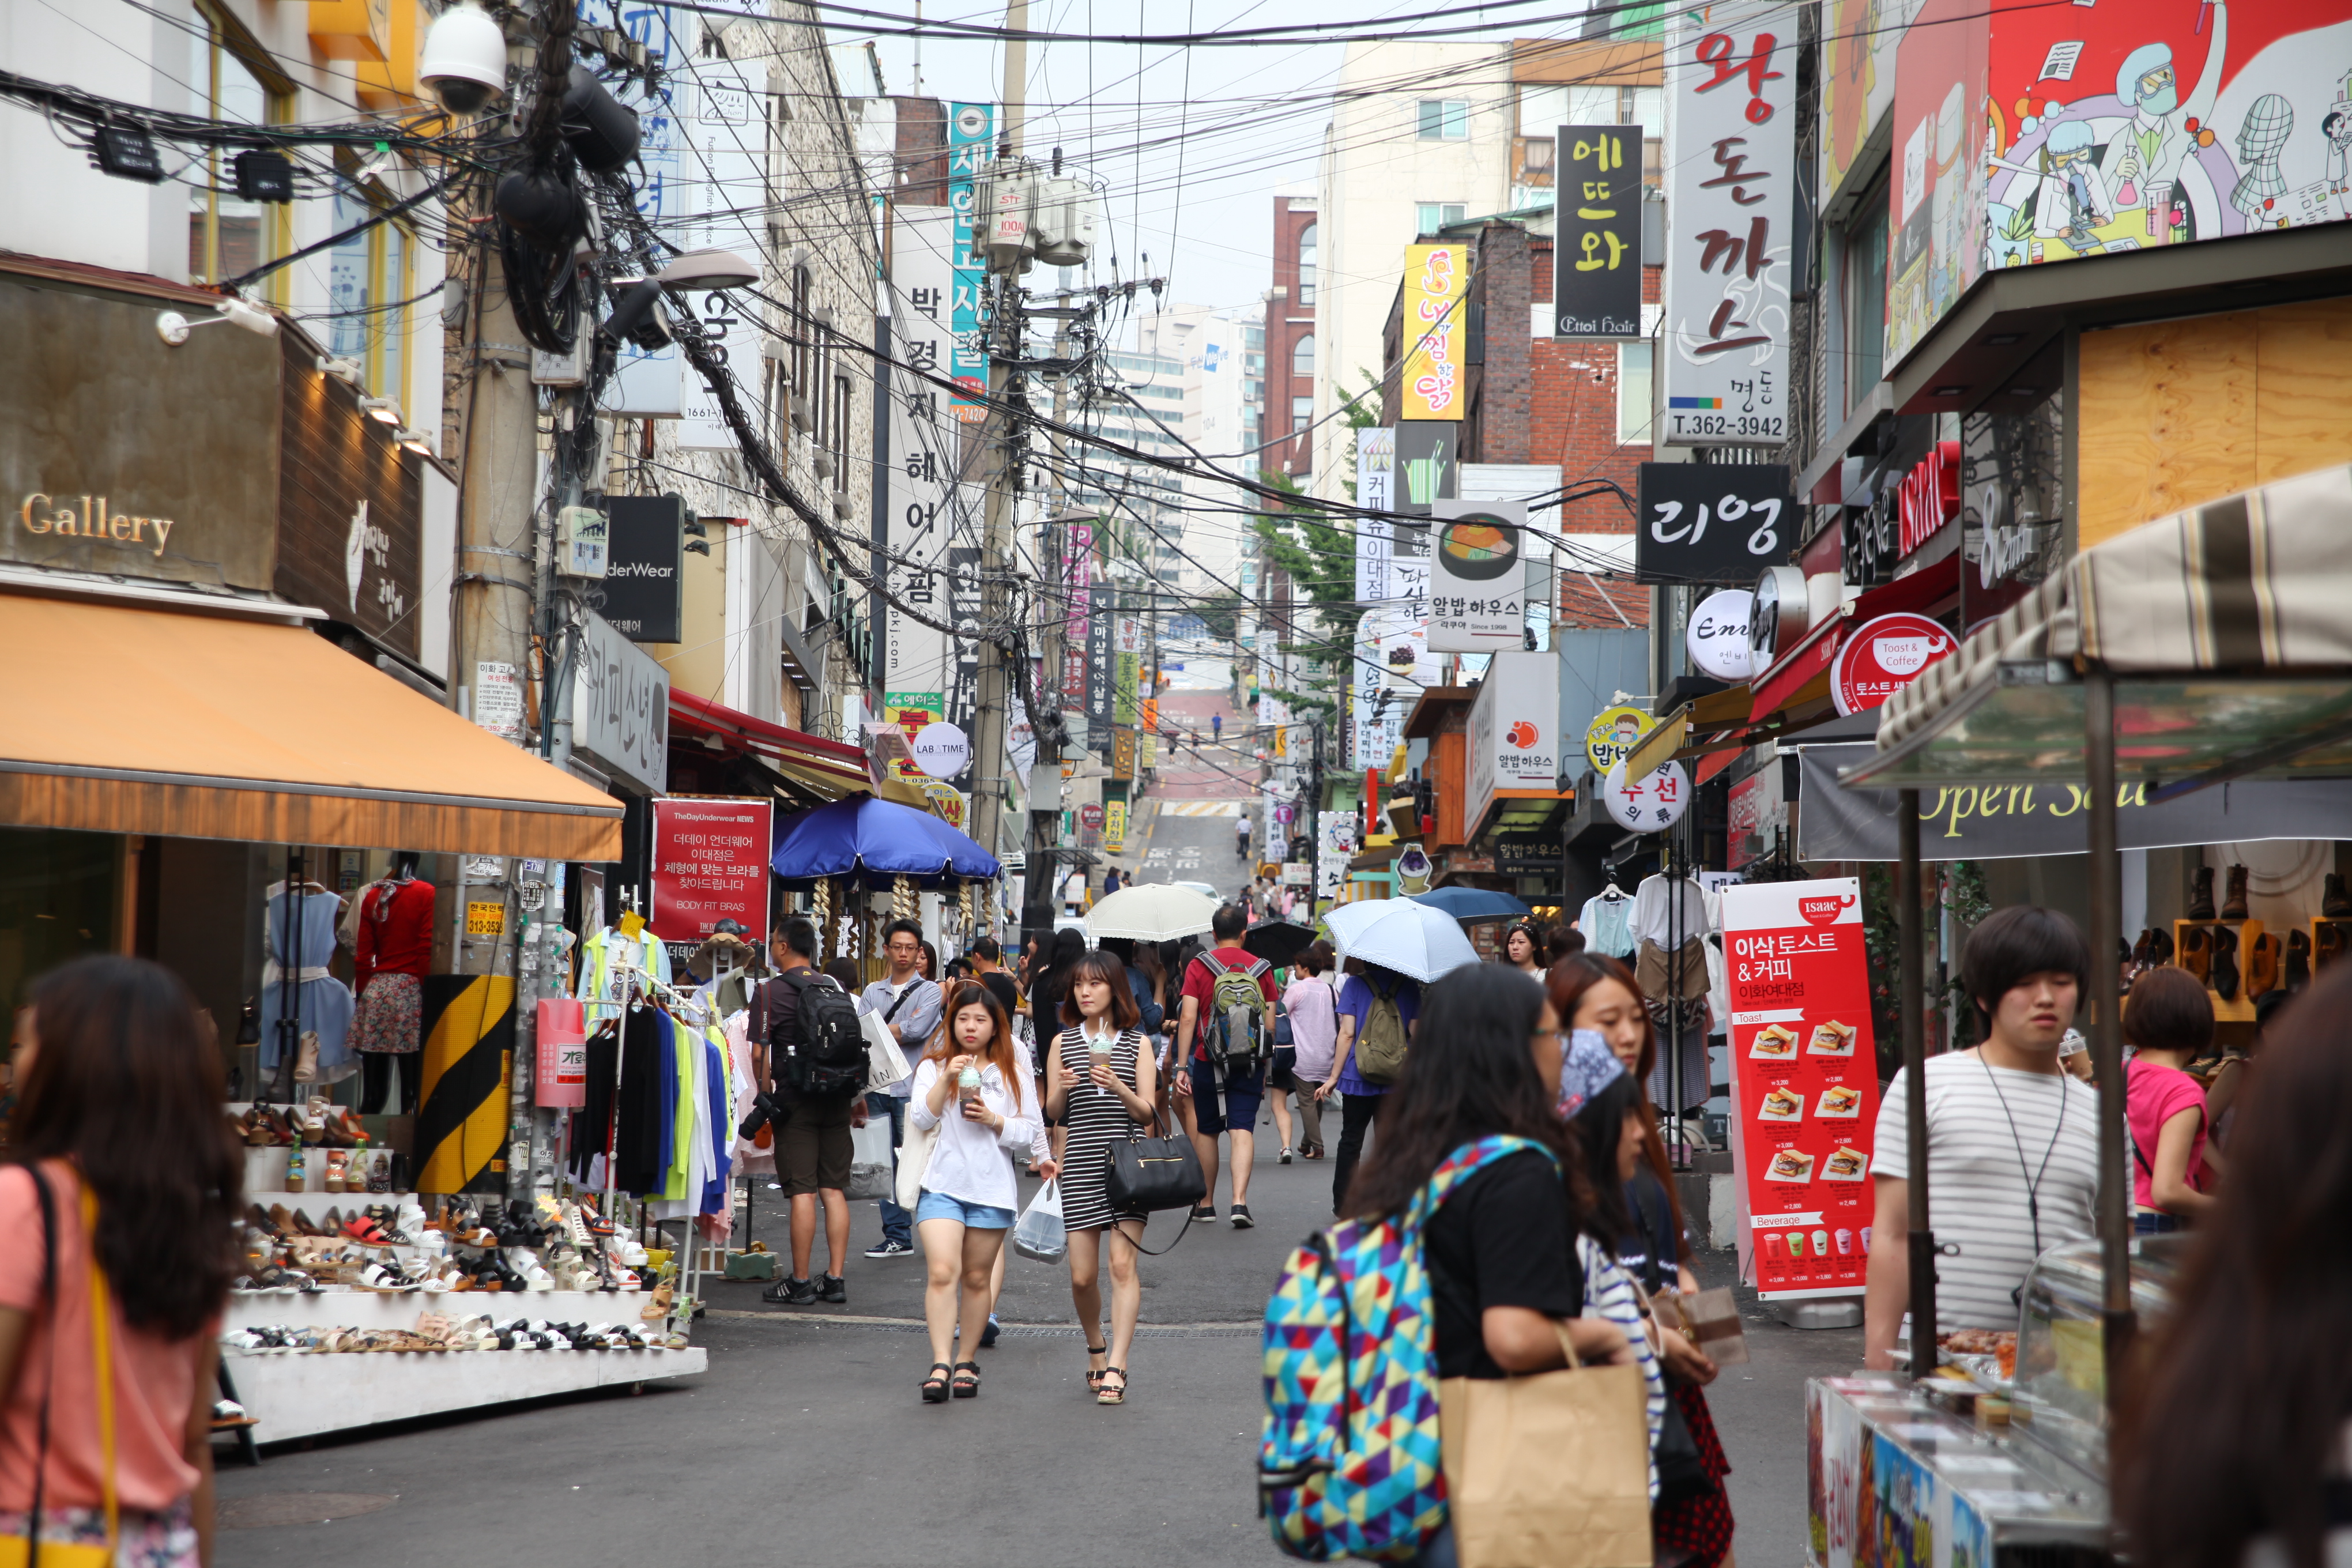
382 1310
293 1396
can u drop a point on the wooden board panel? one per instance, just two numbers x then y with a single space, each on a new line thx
2168 418
2304 399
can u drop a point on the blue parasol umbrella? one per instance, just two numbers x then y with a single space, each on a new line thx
872 841
1474 903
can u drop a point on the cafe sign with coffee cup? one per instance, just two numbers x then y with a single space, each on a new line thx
1881 656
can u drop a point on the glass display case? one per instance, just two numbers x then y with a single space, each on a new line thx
2059 1395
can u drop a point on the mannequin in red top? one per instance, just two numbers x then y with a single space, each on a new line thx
394 950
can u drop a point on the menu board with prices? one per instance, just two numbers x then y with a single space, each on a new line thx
1804 1082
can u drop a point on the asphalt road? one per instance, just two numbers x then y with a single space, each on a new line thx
807 1440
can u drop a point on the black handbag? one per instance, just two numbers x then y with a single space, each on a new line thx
1148 1174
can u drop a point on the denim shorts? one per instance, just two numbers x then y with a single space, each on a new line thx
972 1216
1234 1111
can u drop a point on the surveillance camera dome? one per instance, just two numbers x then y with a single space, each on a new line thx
465 61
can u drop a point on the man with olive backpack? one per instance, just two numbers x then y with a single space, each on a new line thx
1224 1031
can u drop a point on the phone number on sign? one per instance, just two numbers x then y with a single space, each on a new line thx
1739 426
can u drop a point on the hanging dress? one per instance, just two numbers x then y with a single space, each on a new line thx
322 1002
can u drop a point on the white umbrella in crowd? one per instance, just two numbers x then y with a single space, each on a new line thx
1412 939
1152 912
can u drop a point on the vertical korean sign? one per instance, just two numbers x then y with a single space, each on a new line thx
927 506
971 129
1804 1083
726 187
1436 279
710 864
645 382
1596 288
1078 597
1731 124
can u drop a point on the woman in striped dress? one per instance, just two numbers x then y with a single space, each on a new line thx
1099 1089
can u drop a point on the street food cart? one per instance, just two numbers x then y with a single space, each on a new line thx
2210 646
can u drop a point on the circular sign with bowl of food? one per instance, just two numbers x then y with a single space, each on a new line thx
1479 547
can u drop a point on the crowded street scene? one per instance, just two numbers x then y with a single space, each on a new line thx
886 784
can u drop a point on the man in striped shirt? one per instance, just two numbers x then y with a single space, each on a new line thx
2012 1142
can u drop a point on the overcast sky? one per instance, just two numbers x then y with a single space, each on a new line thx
1221 130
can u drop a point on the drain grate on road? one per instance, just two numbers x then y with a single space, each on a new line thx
273 1508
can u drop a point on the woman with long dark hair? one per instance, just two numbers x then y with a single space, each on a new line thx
119 1120
1596 995
2232 1445
1099 1086
1503 1271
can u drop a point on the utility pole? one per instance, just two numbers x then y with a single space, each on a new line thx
989 792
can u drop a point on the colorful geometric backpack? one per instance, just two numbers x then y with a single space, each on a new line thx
1349 1464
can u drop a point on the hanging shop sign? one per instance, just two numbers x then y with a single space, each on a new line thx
942 749
1881 656
1716 637
620 706
1513 732
1527 855
1929 497
709 863
1731 88
1612 735
1437 327
1428 466
644 574
1596 288
1649 804
1115 827
1711 523
971 143
1804 1082
946 802
1376 446
1478 577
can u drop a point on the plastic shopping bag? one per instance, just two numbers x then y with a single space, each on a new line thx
1041 1236
870 1171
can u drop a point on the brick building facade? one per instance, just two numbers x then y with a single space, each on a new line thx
1290 380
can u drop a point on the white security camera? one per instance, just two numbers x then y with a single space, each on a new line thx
465 61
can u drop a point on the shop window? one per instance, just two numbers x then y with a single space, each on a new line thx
1633 400
229 237
1443 119
1866 299
1306 266
58 901
371 281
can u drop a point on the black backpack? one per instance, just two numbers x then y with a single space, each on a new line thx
827 1060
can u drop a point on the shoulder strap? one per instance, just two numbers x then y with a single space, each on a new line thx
901 1000
1467 1162
49 1299
1257 968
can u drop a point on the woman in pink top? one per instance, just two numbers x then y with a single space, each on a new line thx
119 1084
2169 1022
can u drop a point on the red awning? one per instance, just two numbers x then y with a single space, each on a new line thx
1919 593
828 766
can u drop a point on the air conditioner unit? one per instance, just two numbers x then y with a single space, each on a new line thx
823 464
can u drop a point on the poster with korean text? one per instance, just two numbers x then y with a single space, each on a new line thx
1437 329
1804 1083
710 864
1731 127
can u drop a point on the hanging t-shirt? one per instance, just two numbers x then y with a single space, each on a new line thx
1608 925
1655 916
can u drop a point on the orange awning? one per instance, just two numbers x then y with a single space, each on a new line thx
131 719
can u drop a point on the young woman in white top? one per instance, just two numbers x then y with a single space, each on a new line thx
969 1087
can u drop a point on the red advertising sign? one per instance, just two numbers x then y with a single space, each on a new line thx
710 863
1880 657
1804 1084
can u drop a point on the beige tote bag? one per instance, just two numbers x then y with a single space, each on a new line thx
1550 1470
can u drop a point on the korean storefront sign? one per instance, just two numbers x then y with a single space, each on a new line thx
1712 522
1612 735
1437 326
970 135
1804 1083
1929 497
620 705
1375 480
1881 656
710 864
1650 804
1596 288
1732 82
1478 577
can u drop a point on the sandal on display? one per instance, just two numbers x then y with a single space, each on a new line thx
657 1307
297 1173
967 1384
337 1170
364 1231
1104 1394
935 1386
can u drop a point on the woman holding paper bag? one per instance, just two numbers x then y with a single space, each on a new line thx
1505 1287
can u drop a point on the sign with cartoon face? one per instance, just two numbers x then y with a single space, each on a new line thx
1612 735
